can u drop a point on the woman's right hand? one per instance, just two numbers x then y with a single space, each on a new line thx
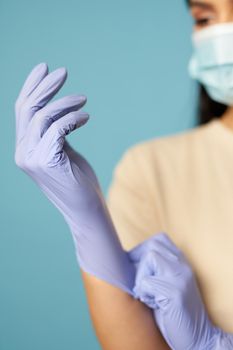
166 283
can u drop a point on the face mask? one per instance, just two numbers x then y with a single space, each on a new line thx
212 61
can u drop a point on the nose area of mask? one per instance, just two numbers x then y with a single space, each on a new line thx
213 46
212 31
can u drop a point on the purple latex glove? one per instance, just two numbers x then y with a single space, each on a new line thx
65 176
165 282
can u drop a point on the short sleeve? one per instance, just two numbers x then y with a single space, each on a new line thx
130 199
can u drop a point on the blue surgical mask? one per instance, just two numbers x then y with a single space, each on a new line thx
212 61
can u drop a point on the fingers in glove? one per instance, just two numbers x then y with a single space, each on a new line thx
155 263
48 87
148 266
44 92
42 119
165 250
34 78
136 253
166 241
159 242
154 292
51 144
142 248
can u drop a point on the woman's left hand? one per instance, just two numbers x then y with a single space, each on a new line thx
166 283
65 176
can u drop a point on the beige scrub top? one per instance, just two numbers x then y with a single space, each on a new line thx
182 184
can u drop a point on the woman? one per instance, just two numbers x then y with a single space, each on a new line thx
181 184
120 320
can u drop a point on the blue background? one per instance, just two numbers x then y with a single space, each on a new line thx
130 59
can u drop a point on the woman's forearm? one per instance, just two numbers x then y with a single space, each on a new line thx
120 321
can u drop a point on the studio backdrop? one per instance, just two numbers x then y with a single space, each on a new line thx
130 59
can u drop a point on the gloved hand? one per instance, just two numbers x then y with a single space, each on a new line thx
166 283
65 176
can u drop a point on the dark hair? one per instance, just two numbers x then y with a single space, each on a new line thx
207 108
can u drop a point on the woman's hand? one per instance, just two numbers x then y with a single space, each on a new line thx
65 177
41 149
166 283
